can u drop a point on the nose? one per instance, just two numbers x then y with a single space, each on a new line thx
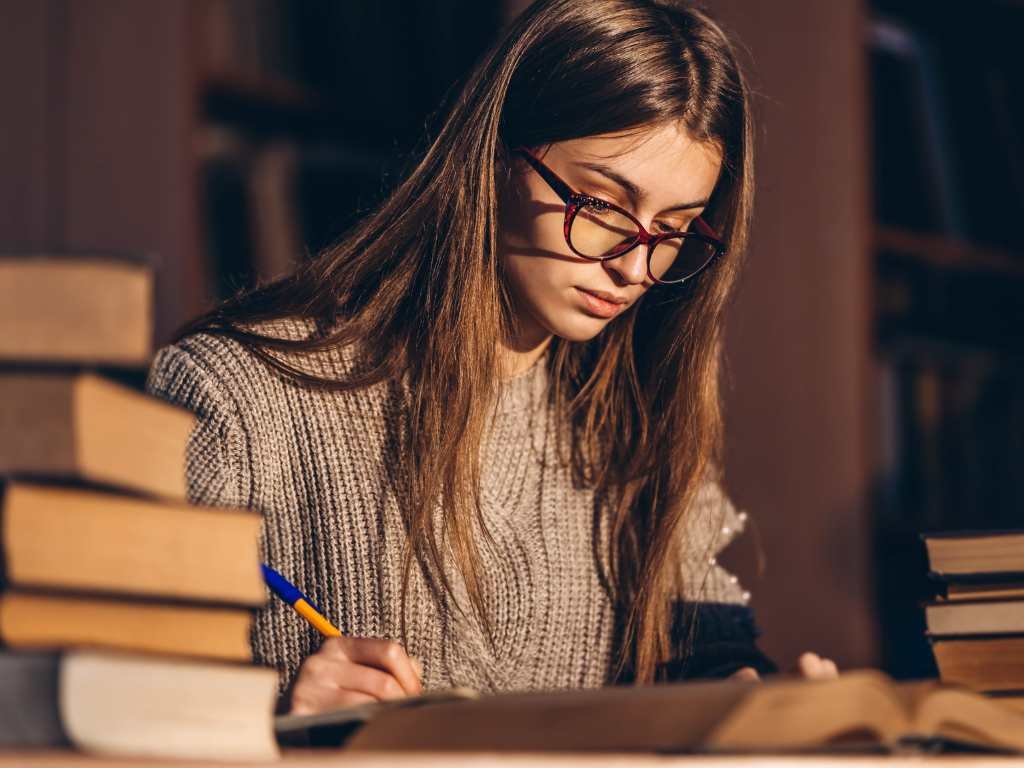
631 266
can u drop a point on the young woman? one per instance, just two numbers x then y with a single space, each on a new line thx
484 428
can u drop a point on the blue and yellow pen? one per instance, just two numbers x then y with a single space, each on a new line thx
292 595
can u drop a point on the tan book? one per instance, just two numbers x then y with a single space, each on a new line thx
74 539
31 620
1014 701
974 617
121 704
976 555
76 308
84 426
862 710
981 663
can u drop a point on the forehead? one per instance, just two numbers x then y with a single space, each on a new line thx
665 161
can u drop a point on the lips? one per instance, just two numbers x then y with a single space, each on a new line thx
605 296
598 306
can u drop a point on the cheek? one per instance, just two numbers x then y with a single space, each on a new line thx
537 259
531 221
537 279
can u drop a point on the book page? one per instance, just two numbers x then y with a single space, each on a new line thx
665 718
804 714
962 715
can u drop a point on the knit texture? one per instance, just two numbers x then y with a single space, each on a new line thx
320 467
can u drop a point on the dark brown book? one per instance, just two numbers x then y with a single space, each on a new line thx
1000 591
76 309
79 425
984 663
80 540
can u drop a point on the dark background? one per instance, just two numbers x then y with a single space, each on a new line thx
874 355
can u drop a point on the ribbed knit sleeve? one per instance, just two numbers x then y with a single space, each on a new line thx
228 391
215 459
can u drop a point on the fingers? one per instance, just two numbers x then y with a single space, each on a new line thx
320 685
386 655
346 671
745 673
815 667
371 681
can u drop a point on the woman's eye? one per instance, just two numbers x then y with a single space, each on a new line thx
603 198
666 227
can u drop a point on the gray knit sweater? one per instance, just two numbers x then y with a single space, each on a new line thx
317 466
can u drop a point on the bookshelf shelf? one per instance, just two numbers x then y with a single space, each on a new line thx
301 116
270 106
948 253
266 91
923 351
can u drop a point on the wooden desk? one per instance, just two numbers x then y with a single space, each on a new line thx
332 758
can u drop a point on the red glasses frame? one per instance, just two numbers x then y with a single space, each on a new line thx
575 201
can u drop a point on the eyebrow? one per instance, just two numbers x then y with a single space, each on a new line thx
633 190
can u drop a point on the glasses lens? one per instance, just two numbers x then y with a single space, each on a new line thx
678 258
600 232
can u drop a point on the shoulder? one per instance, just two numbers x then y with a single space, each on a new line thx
248 413
217 362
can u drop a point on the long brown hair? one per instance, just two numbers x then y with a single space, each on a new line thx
417 286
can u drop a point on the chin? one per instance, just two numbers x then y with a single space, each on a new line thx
578 328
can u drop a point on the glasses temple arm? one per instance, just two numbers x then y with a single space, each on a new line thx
560 187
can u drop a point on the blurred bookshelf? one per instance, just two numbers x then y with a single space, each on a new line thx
306 113
948 148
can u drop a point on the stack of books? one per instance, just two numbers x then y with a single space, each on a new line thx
976 628
124 611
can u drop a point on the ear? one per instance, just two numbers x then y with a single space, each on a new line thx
510 162
508 174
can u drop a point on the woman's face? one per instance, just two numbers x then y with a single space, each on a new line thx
667 169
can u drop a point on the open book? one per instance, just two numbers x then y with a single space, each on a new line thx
861 710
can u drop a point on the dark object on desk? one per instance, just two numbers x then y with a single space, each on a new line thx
724 640
28 700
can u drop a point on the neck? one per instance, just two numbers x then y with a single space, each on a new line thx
517 357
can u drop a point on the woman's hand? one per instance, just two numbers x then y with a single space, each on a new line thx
346 671
809 665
